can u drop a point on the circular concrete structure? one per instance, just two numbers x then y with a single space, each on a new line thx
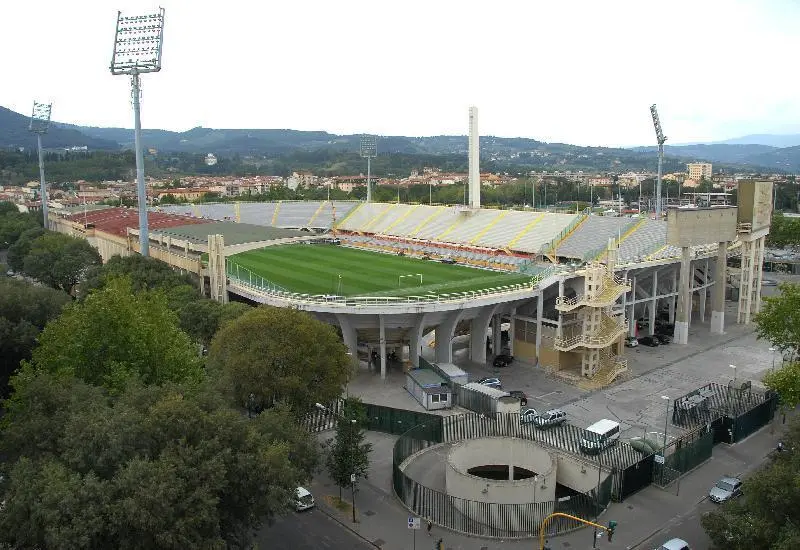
501 454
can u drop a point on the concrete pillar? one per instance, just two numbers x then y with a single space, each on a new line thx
681 335
560 315
349 336
512 330
479 327
631 320
653 305
497 330
702 294
444 337
539 315
718 292
383 346
415 340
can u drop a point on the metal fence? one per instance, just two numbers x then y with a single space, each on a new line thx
486 518
684 454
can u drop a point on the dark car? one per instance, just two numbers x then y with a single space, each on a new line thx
650 341
502 360
523 399
663 338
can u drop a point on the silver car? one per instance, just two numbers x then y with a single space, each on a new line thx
526 416
725 489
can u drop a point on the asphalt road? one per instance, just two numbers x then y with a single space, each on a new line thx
309 530
687 527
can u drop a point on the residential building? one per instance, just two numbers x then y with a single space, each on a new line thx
699 170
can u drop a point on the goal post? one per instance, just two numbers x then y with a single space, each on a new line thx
414 275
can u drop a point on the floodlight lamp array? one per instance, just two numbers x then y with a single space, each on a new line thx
657 125
40 118
137 44
369 147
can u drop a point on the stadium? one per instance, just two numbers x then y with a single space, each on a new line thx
569 287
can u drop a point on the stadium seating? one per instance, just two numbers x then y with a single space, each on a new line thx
592 235
647 238
541 233
291 214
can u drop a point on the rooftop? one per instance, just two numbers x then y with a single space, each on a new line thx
233 233
117 220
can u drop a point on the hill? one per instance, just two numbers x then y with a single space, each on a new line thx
773 140
14 134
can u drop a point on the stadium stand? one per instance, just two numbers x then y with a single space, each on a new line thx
593 234
287 214
646 239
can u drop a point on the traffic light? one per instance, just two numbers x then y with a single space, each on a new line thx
612 525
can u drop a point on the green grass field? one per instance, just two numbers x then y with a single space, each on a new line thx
331 269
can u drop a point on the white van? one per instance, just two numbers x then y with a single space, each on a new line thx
303 499
603 434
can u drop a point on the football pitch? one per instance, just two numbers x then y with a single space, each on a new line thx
330 269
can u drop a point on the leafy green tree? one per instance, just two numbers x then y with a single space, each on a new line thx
145 273
59 260
115 335
21 247
279 355
159 467
769 514
7 207
25 309
202 318
12 225
779 318
349 454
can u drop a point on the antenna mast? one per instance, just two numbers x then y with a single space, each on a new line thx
661 139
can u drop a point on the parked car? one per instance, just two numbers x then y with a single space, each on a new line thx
523 399
527 416
551 418
674 544
663 338
502 360
725 489
491 382
303 499
650 341
447 260
631 342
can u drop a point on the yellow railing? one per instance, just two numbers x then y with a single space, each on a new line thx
524 231
317 212
275 213
400 219
545 521
610 330
436 213
489 225
613 288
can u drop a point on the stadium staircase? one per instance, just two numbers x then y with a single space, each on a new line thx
275 213
317 212
524 231
436 213
611 367
489 226
400 219
613 287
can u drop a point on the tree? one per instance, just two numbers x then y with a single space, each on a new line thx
779 318
349 454
279 355
59 260
115 335
12 225
144 273
25 309
158 467
769 515
21 247
202 318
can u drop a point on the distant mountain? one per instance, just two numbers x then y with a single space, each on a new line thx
14 134
726 154
305 148
773 140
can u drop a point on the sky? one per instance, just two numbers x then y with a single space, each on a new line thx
572 71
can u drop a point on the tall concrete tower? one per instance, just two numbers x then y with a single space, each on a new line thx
474 160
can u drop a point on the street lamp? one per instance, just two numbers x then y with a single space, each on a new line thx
773 350
368 149
137 50
597 497
353 476
664 447
734 374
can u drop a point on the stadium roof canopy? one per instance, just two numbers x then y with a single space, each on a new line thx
232 233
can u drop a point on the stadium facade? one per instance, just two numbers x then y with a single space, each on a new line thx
593 280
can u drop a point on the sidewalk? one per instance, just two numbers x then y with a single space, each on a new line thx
382 520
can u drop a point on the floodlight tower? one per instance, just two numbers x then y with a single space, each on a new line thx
137 50
40 122
661 139
369 150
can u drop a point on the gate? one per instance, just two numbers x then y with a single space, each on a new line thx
636 477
